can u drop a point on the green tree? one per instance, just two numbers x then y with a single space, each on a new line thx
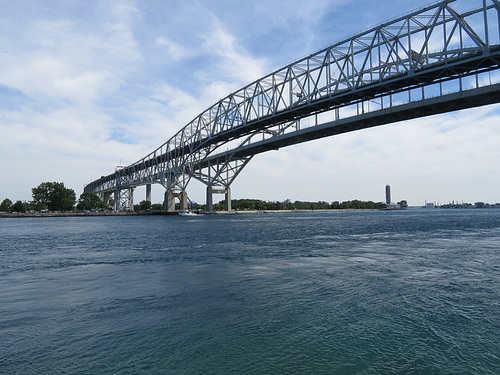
19 207
38 206
145 205
157 207
55 195
6 205
67 204
89 201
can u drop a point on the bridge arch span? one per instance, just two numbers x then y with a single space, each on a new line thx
398 70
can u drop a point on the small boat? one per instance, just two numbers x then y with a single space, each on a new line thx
187 213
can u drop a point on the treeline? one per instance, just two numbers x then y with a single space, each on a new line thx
359 205
259 205
54 196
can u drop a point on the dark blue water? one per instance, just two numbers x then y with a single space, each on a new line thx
412 292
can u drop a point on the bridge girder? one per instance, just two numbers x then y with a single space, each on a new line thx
424 49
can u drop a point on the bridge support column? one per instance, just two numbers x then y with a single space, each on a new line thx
169 202
183 197
148 192
116 203
124 199
227 203
210 203
131 199
106 198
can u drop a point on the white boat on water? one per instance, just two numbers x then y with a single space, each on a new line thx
187 213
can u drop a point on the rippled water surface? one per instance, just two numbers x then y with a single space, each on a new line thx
411 292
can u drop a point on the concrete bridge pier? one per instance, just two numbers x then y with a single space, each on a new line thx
148 192
106 197
210 203
169 202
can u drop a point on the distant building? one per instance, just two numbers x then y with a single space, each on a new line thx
393 206
429 205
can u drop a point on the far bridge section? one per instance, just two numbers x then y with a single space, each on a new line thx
432 61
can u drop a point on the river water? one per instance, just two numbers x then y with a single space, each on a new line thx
403 292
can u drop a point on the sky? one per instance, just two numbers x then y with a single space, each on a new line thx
86 86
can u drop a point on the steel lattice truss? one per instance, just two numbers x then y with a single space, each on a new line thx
429 46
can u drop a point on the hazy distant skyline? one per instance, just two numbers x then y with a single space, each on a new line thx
87 86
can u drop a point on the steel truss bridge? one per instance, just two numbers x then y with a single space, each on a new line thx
431 61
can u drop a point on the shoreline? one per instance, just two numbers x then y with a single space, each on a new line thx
238 212
163 213
81 214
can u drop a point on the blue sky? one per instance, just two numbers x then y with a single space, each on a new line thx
86 86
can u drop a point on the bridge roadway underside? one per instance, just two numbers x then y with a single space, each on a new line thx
422 108
427 75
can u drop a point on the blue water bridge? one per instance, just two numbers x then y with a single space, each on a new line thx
431 61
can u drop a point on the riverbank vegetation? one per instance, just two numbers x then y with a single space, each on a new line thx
260 205
55 197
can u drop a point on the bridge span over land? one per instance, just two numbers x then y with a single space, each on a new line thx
434 60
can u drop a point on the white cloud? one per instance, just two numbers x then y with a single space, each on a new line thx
67 61
174 51
66 69
233 61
